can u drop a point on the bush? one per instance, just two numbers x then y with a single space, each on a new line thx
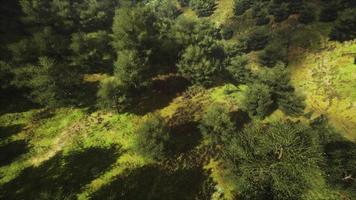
152 138
113 95
274 52
256 40
328 14
272 161
280 12
306 16
238 69
217 126
345 27
203 8
241 6
258 100
197 66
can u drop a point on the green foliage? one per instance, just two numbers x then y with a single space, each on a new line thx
152 138
307 15
5 75
203 8
279 11
134 28
258 101
113 95
345 27
328 14
256 40
238 69
273 53
92 51
271 161
198 66
51 83
241 6
131 69
217 126
278 79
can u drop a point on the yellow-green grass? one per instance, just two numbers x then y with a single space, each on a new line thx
328 81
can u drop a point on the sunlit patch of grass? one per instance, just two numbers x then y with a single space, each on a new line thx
328 80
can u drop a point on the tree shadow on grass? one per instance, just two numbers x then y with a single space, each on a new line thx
7 131
185 137
154 183
9 152
341 163
61 177
162 92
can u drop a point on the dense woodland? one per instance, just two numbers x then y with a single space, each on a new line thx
113 56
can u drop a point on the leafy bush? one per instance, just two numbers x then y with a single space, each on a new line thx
274 52
256 40
217 126
241 6
271 161
258 100
238 69
152 138
203 8
114 95
307 15
328 14
345 27
197 66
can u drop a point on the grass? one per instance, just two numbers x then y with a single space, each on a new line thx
328 80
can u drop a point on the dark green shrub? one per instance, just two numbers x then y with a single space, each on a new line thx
274 52
152 138
307 15
328 14
203 8
256 40
217 126
238 69
241 6
345 27
258 100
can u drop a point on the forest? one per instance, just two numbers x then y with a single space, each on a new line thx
178 99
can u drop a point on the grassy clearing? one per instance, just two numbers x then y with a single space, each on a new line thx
328 80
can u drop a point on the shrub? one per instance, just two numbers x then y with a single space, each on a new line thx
114 95
306 16
152 138
345 27
274 52
241 6
258 100
238 69
256 40
197 66
217 126
328 14
203 8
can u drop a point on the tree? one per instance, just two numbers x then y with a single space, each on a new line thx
217 126
152 138
272 161
241 6
256 40
328 14
203 8
307 15
258 100
238 69
51 83
274 52
345 27
198 66
131 69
